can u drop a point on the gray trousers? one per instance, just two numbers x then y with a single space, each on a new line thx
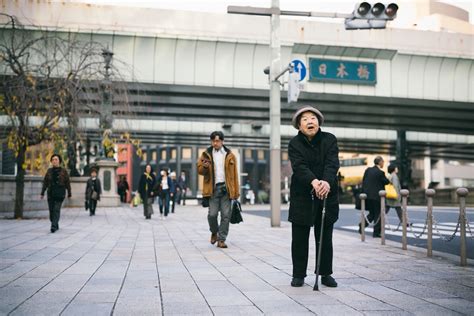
148 207
219 202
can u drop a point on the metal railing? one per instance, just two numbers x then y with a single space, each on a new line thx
462 225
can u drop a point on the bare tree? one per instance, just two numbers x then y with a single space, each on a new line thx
45 77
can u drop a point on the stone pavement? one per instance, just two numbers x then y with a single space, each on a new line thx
119 263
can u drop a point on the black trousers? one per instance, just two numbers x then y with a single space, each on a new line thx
300 248
374 213
54 212
173 199
123 197
92 206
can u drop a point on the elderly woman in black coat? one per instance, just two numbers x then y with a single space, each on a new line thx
315 163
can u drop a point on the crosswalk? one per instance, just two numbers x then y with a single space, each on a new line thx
446 229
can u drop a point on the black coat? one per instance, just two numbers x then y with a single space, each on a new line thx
318 159
146 186
93 185
373 181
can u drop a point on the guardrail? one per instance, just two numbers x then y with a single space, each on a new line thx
462 225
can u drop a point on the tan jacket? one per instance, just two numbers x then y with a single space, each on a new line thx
231 175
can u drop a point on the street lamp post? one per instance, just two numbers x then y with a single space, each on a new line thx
106 117
275 117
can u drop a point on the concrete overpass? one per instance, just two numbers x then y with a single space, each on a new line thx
188 73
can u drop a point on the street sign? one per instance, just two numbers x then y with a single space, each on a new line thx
299 68
342 71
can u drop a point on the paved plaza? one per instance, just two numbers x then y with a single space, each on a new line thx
119 263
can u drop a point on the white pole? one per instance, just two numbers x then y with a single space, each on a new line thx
275 138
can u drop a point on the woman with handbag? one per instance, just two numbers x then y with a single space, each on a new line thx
93 191
145 188
394 202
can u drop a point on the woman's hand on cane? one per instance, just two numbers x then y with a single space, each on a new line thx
322 189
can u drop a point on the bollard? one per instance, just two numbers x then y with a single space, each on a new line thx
362 198
430 193
404 194
382 195
462 193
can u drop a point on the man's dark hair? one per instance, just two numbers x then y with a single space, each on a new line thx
378 160
391 168
217 133
56 155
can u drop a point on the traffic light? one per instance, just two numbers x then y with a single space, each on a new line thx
368 16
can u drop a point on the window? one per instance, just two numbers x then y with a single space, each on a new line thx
353 162
153 155
163 154
248 153
261 154
186 153
144 156
284 156
173 153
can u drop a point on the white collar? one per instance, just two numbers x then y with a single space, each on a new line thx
219 151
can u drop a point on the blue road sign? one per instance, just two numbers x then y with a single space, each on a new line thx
342 71
299 68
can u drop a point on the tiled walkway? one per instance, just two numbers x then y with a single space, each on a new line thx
119 263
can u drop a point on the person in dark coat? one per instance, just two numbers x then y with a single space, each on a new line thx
373 181
145 189
122 189
56 182
183 188
314 159
173 191
164 189
93 191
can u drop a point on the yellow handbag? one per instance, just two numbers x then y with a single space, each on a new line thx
391 192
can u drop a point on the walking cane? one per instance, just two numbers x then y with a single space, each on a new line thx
320 245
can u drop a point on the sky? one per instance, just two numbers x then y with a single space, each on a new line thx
340 6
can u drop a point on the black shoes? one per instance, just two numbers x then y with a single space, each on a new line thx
297 282
328 281
53 230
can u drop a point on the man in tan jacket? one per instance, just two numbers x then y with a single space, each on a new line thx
218 165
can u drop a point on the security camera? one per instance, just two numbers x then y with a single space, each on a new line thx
266 70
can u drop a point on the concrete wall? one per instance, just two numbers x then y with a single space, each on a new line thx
32 201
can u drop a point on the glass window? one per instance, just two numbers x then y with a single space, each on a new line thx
284 156
173 153
153 155
261 154
248 153
163 154
186 153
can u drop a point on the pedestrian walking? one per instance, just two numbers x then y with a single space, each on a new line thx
395 203
122 189
163 189
93 191
218 165
173 191
373 181
145 188
183 188
56 182
314 160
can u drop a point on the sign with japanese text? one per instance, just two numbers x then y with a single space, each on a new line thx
342 71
